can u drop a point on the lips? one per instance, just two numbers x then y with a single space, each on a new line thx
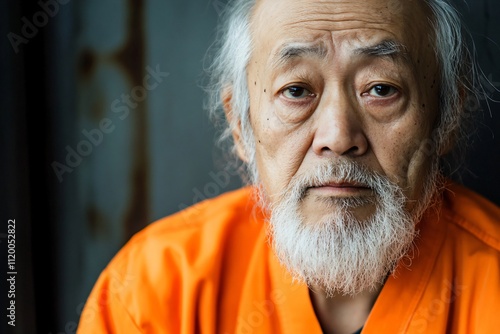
340 189
343 185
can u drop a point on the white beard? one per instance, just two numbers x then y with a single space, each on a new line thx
341 254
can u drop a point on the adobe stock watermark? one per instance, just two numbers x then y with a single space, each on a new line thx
30 28
261 310
220 181
449 293
472 105
121 108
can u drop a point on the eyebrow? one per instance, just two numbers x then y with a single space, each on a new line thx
297 50
386 48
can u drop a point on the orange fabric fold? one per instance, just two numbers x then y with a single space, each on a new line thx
209 269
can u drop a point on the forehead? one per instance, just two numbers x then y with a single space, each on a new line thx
277 24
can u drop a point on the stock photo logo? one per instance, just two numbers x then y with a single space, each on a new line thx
31 27
121 108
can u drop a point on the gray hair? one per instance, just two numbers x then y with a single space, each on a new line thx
233 49
459 84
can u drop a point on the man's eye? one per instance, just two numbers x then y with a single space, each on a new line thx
382 91
296 92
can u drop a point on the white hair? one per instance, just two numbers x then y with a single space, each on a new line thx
233 48
459 87
227 72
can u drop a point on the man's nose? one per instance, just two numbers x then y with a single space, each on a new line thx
339 129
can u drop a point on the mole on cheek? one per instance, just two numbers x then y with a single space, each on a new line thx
264 90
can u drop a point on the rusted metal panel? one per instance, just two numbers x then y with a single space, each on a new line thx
113 174
132 58
97 94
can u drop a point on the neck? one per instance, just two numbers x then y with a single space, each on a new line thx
342 314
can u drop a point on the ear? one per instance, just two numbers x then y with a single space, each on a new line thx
235 124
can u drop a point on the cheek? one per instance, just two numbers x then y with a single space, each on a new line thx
394 154
280 148
404 151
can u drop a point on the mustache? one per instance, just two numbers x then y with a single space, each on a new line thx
339 172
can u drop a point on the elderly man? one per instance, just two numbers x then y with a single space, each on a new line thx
342 112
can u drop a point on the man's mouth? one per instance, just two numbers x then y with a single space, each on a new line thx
341 189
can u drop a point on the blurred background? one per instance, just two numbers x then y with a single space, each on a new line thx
103 131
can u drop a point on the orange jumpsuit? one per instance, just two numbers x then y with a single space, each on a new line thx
209 269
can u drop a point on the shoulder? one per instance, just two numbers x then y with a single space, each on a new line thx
466 276
472 214
199 231
213 214
175 261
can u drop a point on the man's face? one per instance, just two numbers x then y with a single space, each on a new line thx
334 81
343 99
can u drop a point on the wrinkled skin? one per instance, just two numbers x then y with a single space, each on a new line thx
335 101
336 110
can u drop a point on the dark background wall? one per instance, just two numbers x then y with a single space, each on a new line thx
91 154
